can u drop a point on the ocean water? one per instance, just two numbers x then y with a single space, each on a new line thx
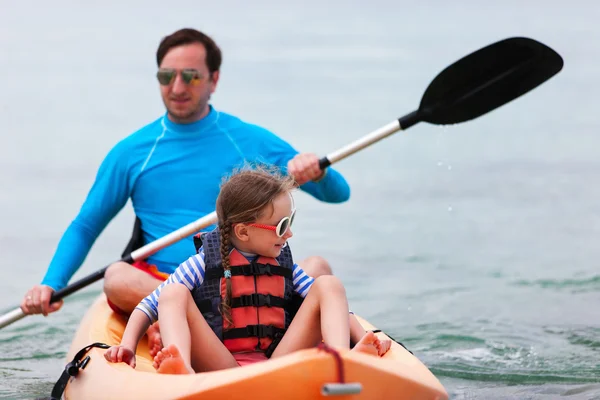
476 245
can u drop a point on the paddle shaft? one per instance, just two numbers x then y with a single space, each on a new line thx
401 123
139 254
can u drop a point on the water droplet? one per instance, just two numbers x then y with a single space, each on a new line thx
440 163
449 167
450 208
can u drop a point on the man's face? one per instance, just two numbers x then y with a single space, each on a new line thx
187 93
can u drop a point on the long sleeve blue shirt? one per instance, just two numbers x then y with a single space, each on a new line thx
172 173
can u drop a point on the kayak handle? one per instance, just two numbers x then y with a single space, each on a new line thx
340 389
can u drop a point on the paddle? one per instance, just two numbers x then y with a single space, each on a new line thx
474 85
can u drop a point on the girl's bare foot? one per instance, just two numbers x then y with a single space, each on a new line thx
154 340
384 346
369 344
169 361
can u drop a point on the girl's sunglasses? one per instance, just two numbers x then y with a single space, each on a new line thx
190 76
281 228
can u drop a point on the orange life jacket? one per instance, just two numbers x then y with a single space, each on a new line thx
261 292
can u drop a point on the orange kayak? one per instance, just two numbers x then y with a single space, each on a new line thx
306 374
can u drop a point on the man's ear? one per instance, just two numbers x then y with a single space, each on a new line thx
241 232
214 80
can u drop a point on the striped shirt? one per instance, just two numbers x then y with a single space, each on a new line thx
191 274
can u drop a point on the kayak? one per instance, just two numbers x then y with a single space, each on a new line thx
306 374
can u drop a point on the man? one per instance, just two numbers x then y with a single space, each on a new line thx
171 169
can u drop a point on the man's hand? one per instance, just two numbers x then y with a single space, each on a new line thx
37 301
304 167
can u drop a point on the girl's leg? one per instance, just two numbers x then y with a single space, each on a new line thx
315 266
183 326
323 315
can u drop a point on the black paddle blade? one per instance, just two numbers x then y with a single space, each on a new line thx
487 79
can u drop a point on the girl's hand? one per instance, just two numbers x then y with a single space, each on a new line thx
120 353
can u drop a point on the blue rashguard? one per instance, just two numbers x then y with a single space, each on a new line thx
172 173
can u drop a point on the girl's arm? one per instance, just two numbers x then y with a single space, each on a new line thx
136 328
189 273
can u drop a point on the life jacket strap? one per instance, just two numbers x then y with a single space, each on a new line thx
249 300
253 269
259 331
258 300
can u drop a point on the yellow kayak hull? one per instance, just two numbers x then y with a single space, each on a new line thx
301 375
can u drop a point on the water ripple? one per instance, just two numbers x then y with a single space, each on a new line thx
591 284
455 351
438 292
588 337
525 377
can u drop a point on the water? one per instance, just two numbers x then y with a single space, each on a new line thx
475 245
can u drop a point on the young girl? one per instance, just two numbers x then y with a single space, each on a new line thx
228 305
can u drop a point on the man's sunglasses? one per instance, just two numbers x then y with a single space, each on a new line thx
190 76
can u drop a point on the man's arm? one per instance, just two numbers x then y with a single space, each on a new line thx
105 199
327 185
331 187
